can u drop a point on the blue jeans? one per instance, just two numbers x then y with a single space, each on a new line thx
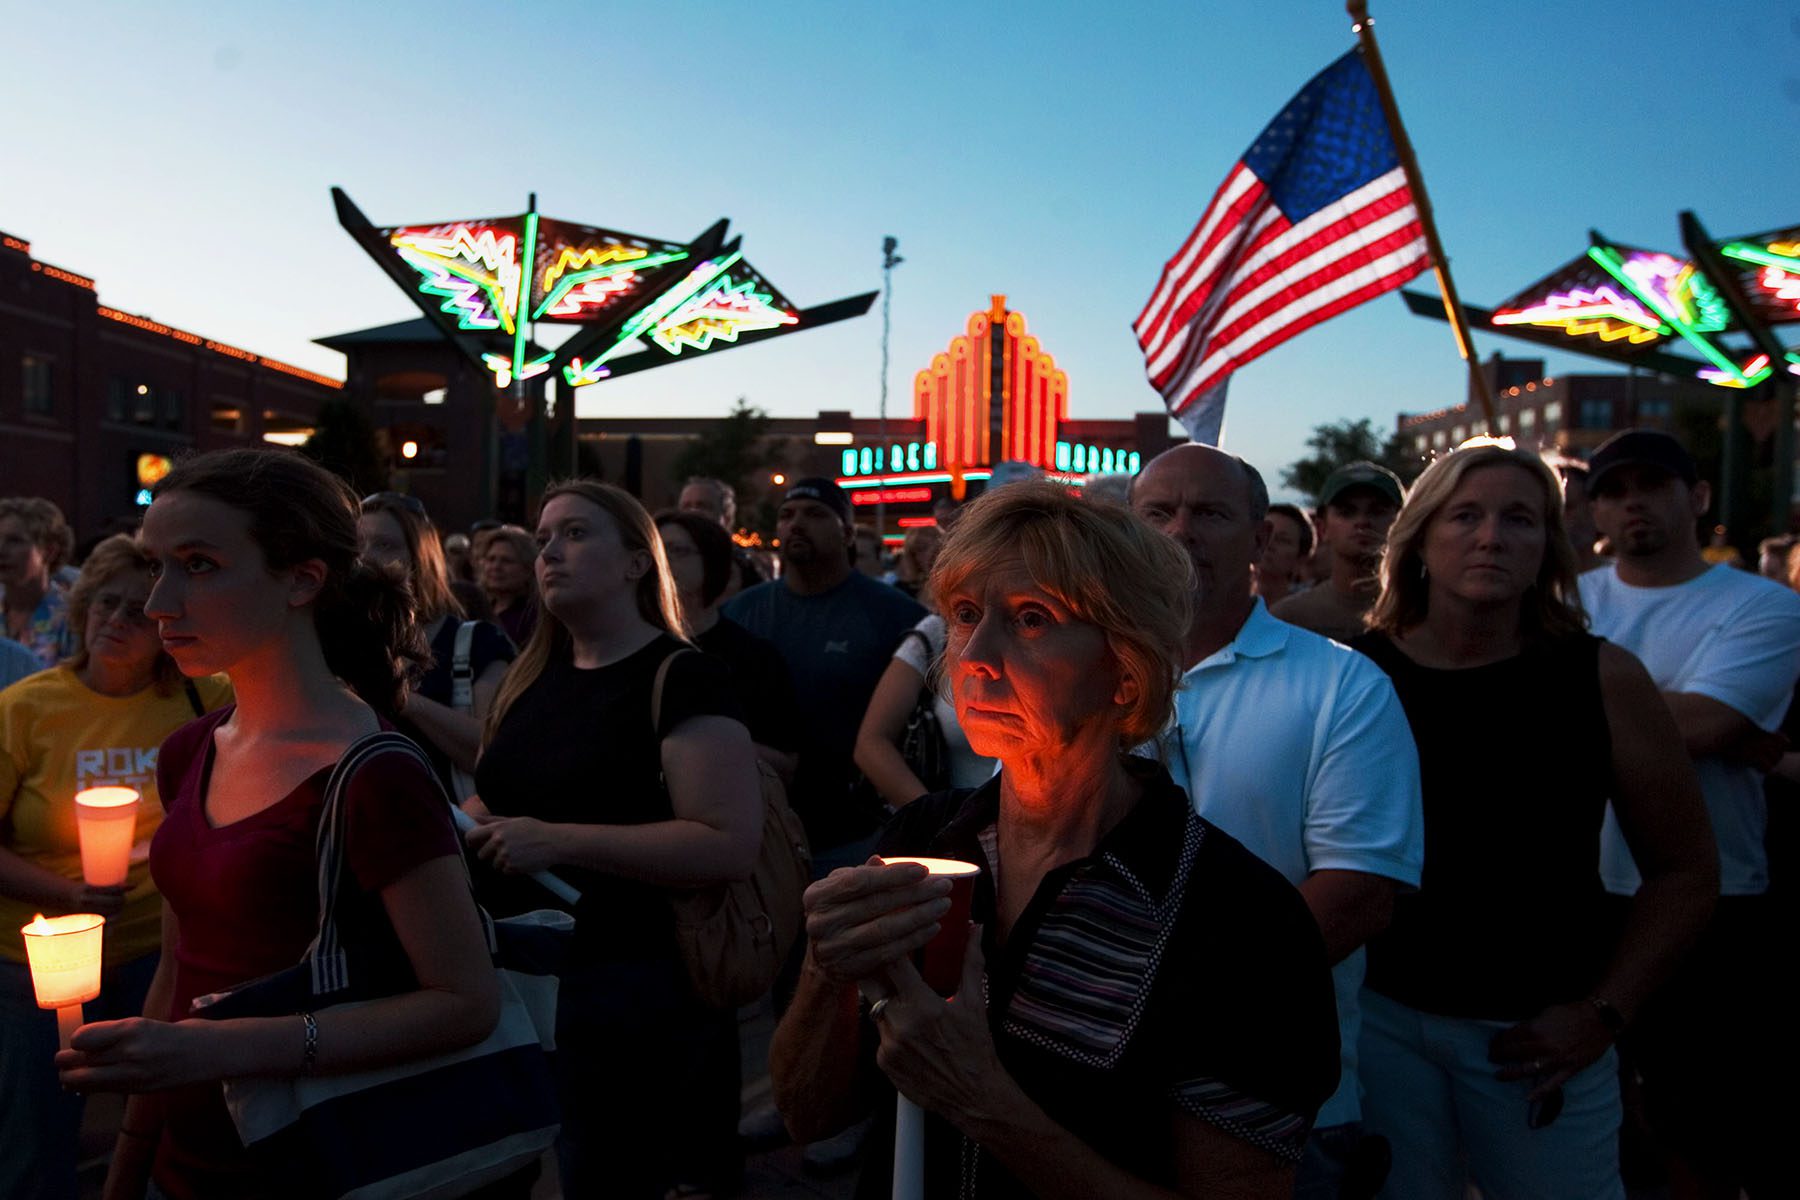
39 1122
1430 1090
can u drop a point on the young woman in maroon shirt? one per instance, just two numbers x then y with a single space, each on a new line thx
257 575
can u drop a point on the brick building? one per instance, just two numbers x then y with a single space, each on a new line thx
95 401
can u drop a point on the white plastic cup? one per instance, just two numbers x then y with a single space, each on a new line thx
106 823
64 955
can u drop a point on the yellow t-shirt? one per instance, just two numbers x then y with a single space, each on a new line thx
58 736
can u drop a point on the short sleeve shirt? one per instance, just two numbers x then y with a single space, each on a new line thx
836 645
487 646
760 680
1121 997
922 652
577 747
1298 747
1728 635
245 896
47 635
59 736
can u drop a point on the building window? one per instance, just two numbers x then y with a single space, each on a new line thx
1459 435
227 415
1440 439
174 409
1596 414
1421 443
1527 421
1504 421
39 376
1552 415
1654 411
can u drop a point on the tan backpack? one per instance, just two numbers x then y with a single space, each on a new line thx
735 936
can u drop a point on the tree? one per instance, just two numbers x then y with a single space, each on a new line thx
1343 442
734 450
344 442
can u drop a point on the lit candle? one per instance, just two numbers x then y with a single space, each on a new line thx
106 821
64 953
941 965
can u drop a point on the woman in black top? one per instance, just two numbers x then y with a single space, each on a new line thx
701 560
1494 997
1147 1010
576 779
394 532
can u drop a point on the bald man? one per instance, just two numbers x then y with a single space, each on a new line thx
1293 744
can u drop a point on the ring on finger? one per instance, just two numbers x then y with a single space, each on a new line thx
876 1009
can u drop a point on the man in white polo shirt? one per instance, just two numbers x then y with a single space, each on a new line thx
1723 646
1291 743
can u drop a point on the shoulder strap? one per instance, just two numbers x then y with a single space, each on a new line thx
656 688
193 697
330 966
462 675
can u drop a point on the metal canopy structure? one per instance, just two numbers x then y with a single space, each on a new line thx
637 302
1686 316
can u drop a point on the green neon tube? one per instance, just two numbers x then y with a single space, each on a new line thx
1613 265
1761 257
527 277
667 303
569 282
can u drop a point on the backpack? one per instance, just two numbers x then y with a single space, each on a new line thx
734 937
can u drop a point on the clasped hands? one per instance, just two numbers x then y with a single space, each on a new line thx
515 845
864 924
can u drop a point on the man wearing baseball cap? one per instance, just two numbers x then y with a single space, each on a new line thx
836 628
1723 646
1357 505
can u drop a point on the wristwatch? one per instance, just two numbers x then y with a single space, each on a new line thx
1610 1017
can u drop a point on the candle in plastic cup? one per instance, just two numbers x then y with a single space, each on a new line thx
106 821
64 953
941 961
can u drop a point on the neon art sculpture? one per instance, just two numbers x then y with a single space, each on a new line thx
1628 304
636 301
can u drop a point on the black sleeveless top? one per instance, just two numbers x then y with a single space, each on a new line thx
1515 766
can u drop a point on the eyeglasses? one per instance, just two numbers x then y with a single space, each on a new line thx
108 605
411 504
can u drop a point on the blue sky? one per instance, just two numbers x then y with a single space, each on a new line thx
181 153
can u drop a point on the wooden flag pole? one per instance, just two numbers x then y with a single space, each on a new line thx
1364 27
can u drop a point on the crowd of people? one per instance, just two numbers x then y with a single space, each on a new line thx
1437 839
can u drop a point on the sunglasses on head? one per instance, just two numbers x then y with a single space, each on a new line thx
411 504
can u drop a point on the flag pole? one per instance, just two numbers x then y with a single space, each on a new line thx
1364 27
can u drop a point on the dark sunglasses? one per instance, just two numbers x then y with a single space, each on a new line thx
411 504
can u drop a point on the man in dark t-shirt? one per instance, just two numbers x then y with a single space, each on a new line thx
836 630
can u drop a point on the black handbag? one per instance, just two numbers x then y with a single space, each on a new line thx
442 1126
922 742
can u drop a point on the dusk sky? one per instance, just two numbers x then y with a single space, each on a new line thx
181 154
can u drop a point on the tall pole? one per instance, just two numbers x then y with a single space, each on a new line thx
889 260
1364 27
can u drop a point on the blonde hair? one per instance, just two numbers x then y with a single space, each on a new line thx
1552 604
657 600
120 554
1104 564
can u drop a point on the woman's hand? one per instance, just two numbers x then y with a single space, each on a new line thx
1552 1047
940 1053
862 920
516 845
134 1055
104 901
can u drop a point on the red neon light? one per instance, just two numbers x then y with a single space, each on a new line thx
917 522
955 395
905 495
193 339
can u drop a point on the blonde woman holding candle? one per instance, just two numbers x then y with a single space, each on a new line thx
256 573
1147 1010
95 720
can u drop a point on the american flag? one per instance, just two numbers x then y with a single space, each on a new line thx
1315 219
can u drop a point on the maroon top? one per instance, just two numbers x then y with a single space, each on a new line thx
246 897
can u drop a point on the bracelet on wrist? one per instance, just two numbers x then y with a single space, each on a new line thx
309 1047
